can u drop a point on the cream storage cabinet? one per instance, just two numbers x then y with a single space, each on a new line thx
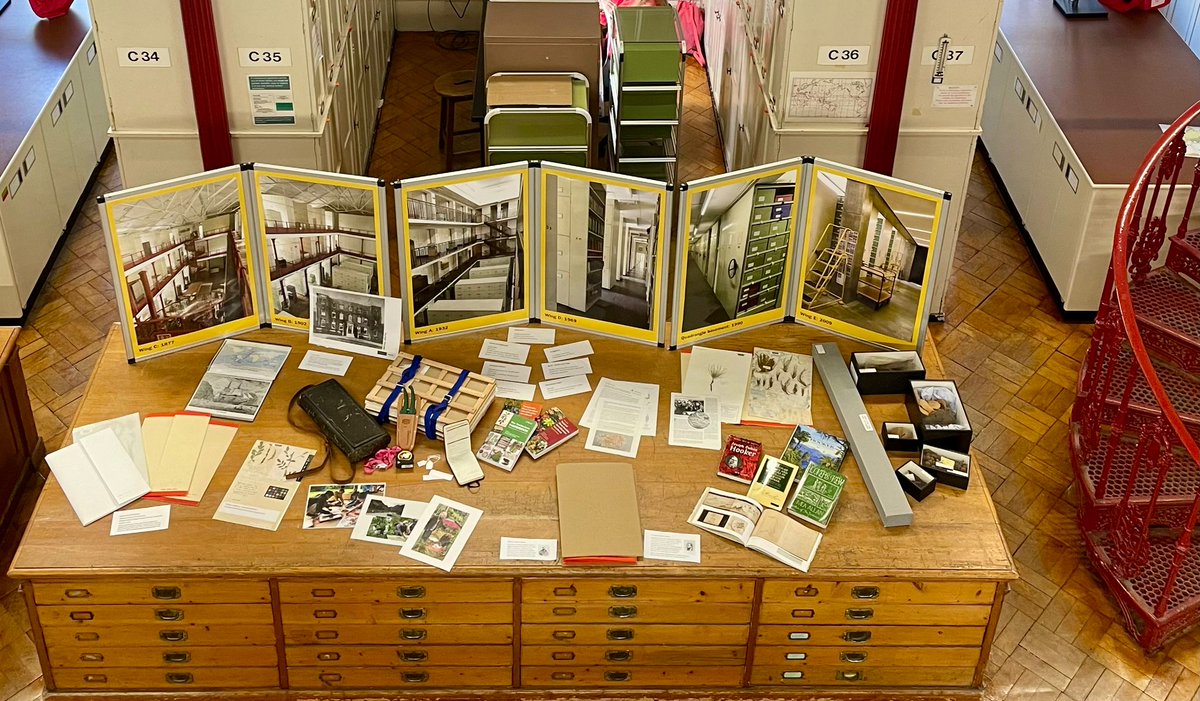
303 82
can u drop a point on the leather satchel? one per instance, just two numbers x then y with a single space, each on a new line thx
342 422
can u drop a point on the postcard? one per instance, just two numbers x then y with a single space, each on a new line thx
503 352
506 371
780 390
722 374
337 505
260 361
530 335
537 549
676 547
568 351
564 387
695 422
566 368
327 363
515 390
260 494
441 535
154 518
387 521
355 322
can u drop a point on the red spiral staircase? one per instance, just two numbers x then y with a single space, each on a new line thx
1135 423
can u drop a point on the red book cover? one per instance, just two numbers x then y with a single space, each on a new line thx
553 429
740 459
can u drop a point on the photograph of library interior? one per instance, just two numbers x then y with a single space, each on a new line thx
545 350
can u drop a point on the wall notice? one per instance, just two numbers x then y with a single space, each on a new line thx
955 96
271 99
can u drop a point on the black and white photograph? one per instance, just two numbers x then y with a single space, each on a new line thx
355 322
695 422
317 234
229 397
601 250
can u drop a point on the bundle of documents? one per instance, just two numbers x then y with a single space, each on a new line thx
97 475
432 382
618 415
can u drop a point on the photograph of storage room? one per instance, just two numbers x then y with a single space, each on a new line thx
317 235
867 253
738 241
601 243
183 253
466 243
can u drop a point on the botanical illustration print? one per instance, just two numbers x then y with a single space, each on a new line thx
780 387
440 532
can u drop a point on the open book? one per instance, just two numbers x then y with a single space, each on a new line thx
743 520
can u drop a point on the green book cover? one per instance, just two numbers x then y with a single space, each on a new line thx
817 493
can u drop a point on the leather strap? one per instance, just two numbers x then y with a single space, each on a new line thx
326 447
410 372
433 413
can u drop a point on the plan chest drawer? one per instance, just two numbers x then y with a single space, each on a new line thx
633 634
159 678
352 614
155 615
397 634
635 590
817 593
183 656
400 656
396 590
388 678
154 591
162 635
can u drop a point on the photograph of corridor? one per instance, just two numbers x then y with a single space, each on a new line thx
465 246
601 250
317 235
183 253
739 236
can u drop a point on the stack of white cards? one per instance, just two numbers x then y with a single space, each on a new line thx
566 370
99 473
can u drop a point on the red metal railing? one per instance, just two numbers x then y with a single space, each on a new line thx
1134 453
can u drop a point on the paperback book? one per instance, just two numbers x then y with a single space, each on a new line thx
553 429
742 520
808 446
740 459
513 429
817 493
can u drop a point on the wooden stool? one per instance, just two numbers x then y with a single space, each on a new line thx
453 88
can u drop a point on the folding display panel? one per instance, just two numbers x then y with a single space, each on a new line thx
734 247
868 255
317 230
464 251
182 261
602 243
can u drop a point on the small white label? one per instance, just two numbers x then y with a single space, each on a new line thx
819 349
264 57
68 92
151 57
955 55
955 96
55 113
866 422
91 52
867 371
843 55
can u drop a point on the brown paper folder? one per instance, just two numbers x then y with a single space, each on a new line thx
598 513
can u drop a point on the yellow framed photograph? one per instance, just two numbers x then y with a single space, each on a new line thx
602 242
464 254
182 262
868 255
318 230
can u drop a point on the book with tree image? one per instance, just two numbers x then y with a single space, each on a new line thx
742 520
808 446
553 429
514 427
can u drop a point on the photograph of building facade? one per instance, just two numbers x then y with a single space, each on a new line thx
184 258
349 318
465 246
601 245
738 240
317 235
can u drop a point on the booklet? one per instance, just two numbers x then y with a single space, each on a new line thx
440 536
260 495
772 482
337 505
238 379
780 392
744 521
722 374
553 429
508 436
387 521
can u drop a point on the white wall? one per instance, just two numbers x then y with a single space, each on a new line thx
1184 16
411 15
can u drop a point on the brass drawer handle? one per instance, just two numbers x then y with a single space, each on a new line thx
793 675
803 613
414 655
410 592
563 635
168 614
563 610
845 675
860 614
864 593
87 637
91 657
325 613
620 634
622 611
806 591
795 656
173 636
412 634
623 591
323 593
854 657
618 676
165 593
565 591
618 655
77 594
96 678
177 657
799 635
326 635
329 656
82 615
562 676
179 677
329 677
415 677
412 614
856 636
562 656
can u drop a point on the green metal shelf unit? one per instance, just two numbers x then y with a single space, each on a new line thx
540 133
645 88
766 249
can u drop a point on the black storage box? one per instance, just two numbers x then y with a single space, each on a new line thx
947 467
939 414
916 481
885 372
901 437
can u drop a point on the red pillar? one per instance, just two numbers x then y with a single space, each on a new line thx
208 90
895 49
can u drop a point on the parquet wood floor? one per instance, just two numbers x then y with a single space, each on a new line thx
1014 360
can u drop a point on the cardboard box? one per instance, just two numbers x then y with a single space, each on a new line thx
939 414
885 372
947 467
901 437
915 481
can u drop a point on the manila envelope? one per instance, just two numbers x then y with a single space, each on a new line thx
598 512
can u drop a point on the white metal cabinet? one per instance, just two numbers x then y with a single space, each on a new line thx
67 134
715 37
29 215
93 93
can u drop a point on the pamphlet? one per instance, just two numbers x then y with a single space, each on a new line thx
640 393
260 495
440 536
97 478
508 436
553 429
722 374
387 521
695 422
817 493
744 521
337 505
772 482
128 429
